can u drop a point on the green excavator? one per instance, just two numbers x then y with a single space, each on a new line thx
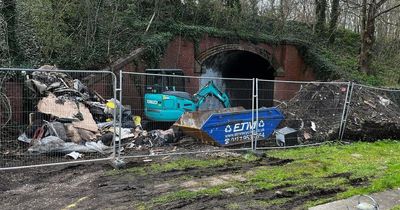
165 99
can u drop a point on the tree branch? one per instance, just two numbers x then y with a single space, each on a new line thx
355 5
387 22
386 11
380 3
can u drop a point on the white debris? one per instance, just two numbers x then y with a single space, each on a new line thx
52 144
74 155
313 126
384 101
24 138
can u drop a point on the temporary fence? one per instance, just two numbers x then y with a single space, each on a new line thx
373 113
47 114
50 117
314 111
158 99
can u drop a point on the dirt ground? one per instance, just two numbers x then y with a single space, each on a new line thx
90 186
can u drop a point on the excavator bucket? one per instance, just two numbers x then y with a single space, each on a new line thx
229 126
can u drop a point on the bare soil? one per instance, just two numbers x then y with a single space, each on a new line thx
88 186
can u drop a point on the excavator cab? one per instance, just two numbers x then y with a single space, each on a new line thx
159 80
165 99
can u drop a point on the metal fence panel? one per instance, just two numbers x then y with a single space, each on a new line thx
313 111
373 114
47 114
155 137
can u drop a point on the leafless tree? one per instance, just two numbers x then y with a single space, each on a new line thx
370 11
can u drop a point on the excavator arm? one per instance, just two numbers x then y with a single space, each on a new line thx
211 90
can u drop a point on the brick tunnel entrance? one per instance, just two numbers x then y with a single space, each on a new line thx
241 64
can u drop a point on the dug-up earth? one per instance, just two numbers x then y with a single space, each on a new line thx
278 179
98 186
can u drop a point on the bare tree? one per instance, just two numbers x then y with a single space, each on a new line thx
371 10
333 20
8 11
320 14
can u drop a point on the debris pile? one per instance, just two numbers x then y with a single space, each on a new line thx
374 114
316 113
70 118
155 138
63 121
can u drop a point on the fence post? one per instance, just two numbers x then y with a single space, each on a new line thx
252 112
256 99
114 115
346 108
117 161
120 113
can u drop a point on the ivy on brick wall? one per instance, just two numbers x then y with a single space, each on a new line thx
157 43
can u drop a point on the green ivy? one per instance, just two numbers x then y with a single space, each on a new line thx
157 43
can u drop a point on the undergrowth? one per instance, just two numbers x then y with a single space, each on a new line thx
329 61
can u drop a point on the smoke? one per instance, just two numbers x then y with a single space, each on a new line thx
211 102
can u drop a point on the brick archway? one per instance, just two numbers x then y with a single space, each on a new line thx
212 51
188 54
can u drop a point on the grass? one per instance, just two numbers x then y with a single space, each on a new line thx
359 168
183 163
396 207
180 195
186 194
376 164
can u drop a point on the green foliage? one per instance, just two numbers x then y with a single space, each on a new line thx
344 55
92 34
155 47
386 61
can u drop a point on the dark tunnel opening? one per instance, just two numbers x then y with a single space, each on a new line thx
242 64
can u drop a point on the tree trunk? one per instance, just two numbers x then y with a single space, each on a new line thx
369 14
282 16
320 14
333 20
367 37
9 14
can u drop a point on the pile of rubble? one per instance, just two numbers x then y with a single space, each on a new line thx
72 119
374 114
317 109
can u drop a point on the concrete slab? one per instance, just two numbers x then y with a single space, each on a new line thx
386 200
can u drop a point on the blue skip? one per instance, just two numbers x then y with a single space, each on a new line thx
229 126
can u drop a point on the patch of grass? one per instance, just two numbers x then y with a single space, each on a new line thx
141 206
396 207
378 162
187 163
233 206
183 163
266 204
250 157
179 164
337 171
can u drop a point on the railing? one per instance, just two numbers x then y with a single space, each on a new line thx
50 117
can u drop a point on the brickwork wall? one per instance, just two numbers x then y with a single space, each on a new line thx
14 92
181 54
